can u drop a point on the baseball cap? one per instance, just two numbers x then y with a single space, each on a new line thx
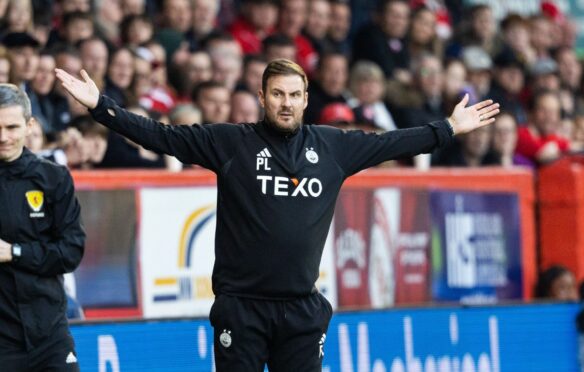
476 59
336 113
19 39
544 66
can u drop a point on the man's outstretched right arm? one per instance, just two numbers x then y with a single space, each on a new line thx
198 144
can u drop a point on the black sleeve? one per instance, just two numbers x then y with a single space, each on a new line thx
63 252
358 150
209 145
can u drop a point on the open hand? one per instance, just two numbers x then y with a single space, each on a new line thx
465 119
85 92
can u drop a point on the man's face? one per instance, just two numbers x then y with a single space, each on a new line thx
319 18
94 56
334 74
77 30
546 115
395 20
253 76
292 17
340 21
45 76
23 62
121 69
177 14
204 13
284 101
13 132
215 105
244 108
199 68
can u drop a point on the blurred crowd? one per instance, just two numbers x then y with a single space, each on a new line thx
373 65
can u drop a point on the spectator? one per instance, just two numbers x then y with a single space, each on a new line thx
330 85
204 16
40 91
108 15
556 283
227 58
278 46
515 33
19 16
383 41
455 84
422 37
479 67
367 84
428 104
77 26
94 59
23 52
94 140
136 30
120 73
222 45
508 85
570 69
213 99
483 29
253 69
505 142
176 15
340 25
244 107
544 75
539 141
35 140
228 71
317 25
142 82
293 14
541 35
257 20
161 97
198 68
66 58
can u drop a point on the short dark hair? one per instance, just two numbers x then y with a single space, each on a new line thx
204 85
11 95
68 18
283 67
278 40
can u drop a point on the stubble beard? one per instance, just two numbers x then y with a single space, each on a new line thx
284 130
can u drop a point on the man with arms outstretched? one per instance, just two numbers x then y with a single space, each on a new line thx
277 182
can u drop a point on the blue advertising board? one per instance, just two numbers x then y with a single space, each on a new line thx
476 246
528 338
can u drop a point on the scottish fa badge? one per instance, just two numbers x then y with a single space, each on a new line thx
35 199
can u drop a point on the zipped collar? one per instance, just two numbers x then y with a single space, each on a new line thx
19 165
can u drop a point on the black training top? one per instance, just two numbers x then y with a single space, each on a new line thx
38 211
276 193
